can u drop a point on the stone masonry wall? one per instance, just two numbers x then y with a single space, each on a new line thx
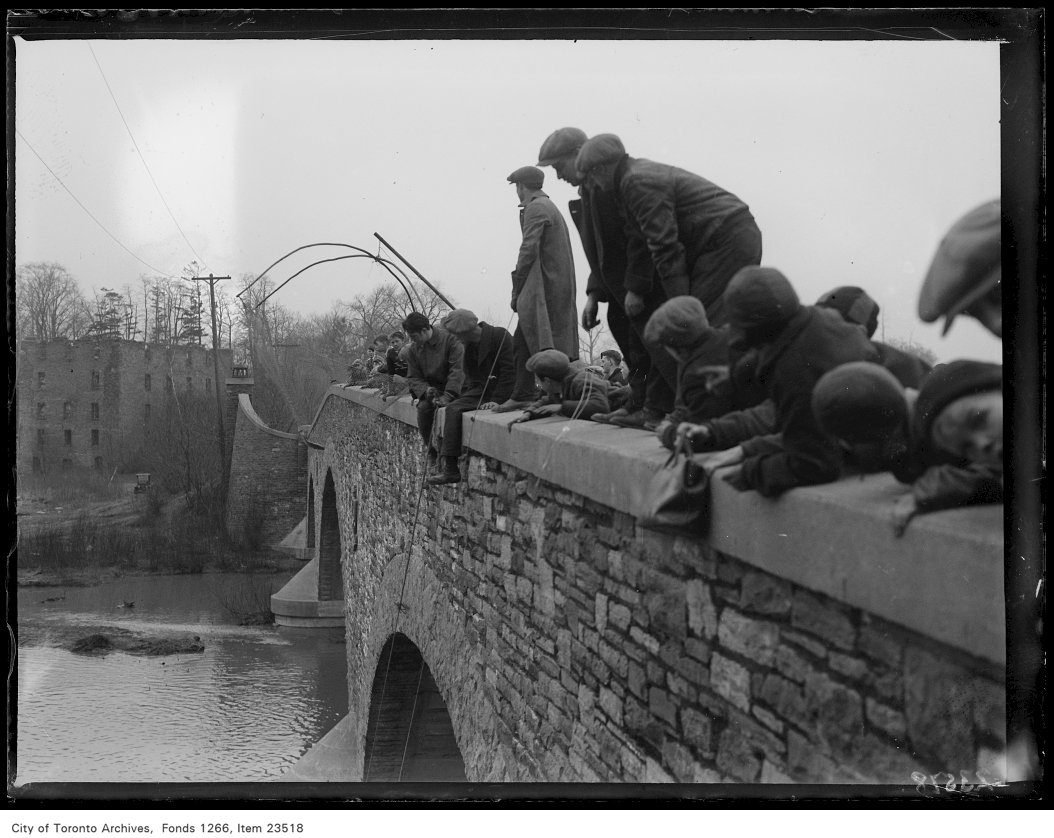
572 645
268 480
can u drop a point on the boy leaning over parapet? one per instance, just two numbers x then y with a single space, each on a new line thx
796 345
946 440
570 389
680 326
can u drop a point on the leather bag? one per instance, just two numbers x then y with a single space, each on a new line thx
678 497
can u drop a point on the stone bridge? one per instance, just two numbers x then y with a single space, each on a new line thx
522 626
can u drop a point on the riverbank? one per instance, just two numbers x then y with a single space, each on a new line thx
87 533
86 577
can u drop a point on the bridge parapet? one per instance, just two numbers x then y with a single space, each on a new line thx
800 641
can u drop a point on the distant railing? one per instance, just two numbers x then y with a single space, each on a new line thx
240 372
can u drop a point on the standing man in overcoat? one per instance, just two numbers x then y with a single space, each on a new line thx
543 284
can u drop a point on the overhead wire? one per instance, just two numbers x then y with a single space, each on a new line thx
89 212
142 158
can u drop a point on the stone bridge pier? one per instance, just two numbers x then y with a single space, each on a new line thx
522 625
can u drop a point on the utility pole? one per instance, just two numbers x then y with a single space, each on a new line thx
212 280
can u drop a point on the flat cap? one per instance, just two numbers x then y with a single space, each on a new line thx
562 141
859 401
966 267
948 382
680 321
760 297
460 321
530 176
854 304
549 363
603 148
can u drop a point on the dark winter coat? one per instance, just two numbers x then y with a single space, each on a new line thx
696 399
436 363
582 393
733 428
812 342
543 281
393 364
596 215
671 216
489 365
909 369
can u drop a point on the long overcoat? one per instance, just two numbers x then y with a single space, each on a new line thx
543 282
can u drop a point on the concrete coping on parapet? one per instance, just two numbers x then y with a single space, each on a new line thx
943 578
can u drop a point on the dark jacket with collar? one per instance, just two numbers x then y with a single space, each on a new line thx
489 365
582 393
671 215
598 219
814 341
436 363
697 398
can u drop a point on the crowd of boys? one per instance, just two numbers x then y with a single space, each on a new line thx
721 355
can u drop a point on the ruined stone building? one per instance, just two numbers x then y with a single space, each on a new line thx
86 402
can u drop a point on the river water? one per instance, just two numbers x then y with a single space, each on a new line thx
244 710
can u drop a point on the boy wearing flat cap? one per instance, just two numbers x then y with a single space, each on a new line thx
856 306
945 439
686 236
680 326
796 345
490 375
966 273
543 283
570 388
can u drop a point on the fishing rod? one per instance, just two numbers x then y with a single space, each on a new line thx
363 255
420 276
386 263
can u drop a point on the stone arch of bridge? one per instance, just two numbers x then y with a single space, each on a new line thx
330 578
411 603
409 735
311 544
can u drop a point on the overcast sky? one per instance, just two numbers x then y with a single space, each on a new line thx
855 157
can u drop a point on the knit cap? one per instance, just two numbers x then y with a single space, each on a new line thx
760 297
854 305
945 384
680 321
562 141
603 148
966 267
460 321
859 401
549 363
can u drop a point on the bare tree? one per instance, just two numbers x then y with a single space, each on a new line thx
591 343
913 348
48 302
